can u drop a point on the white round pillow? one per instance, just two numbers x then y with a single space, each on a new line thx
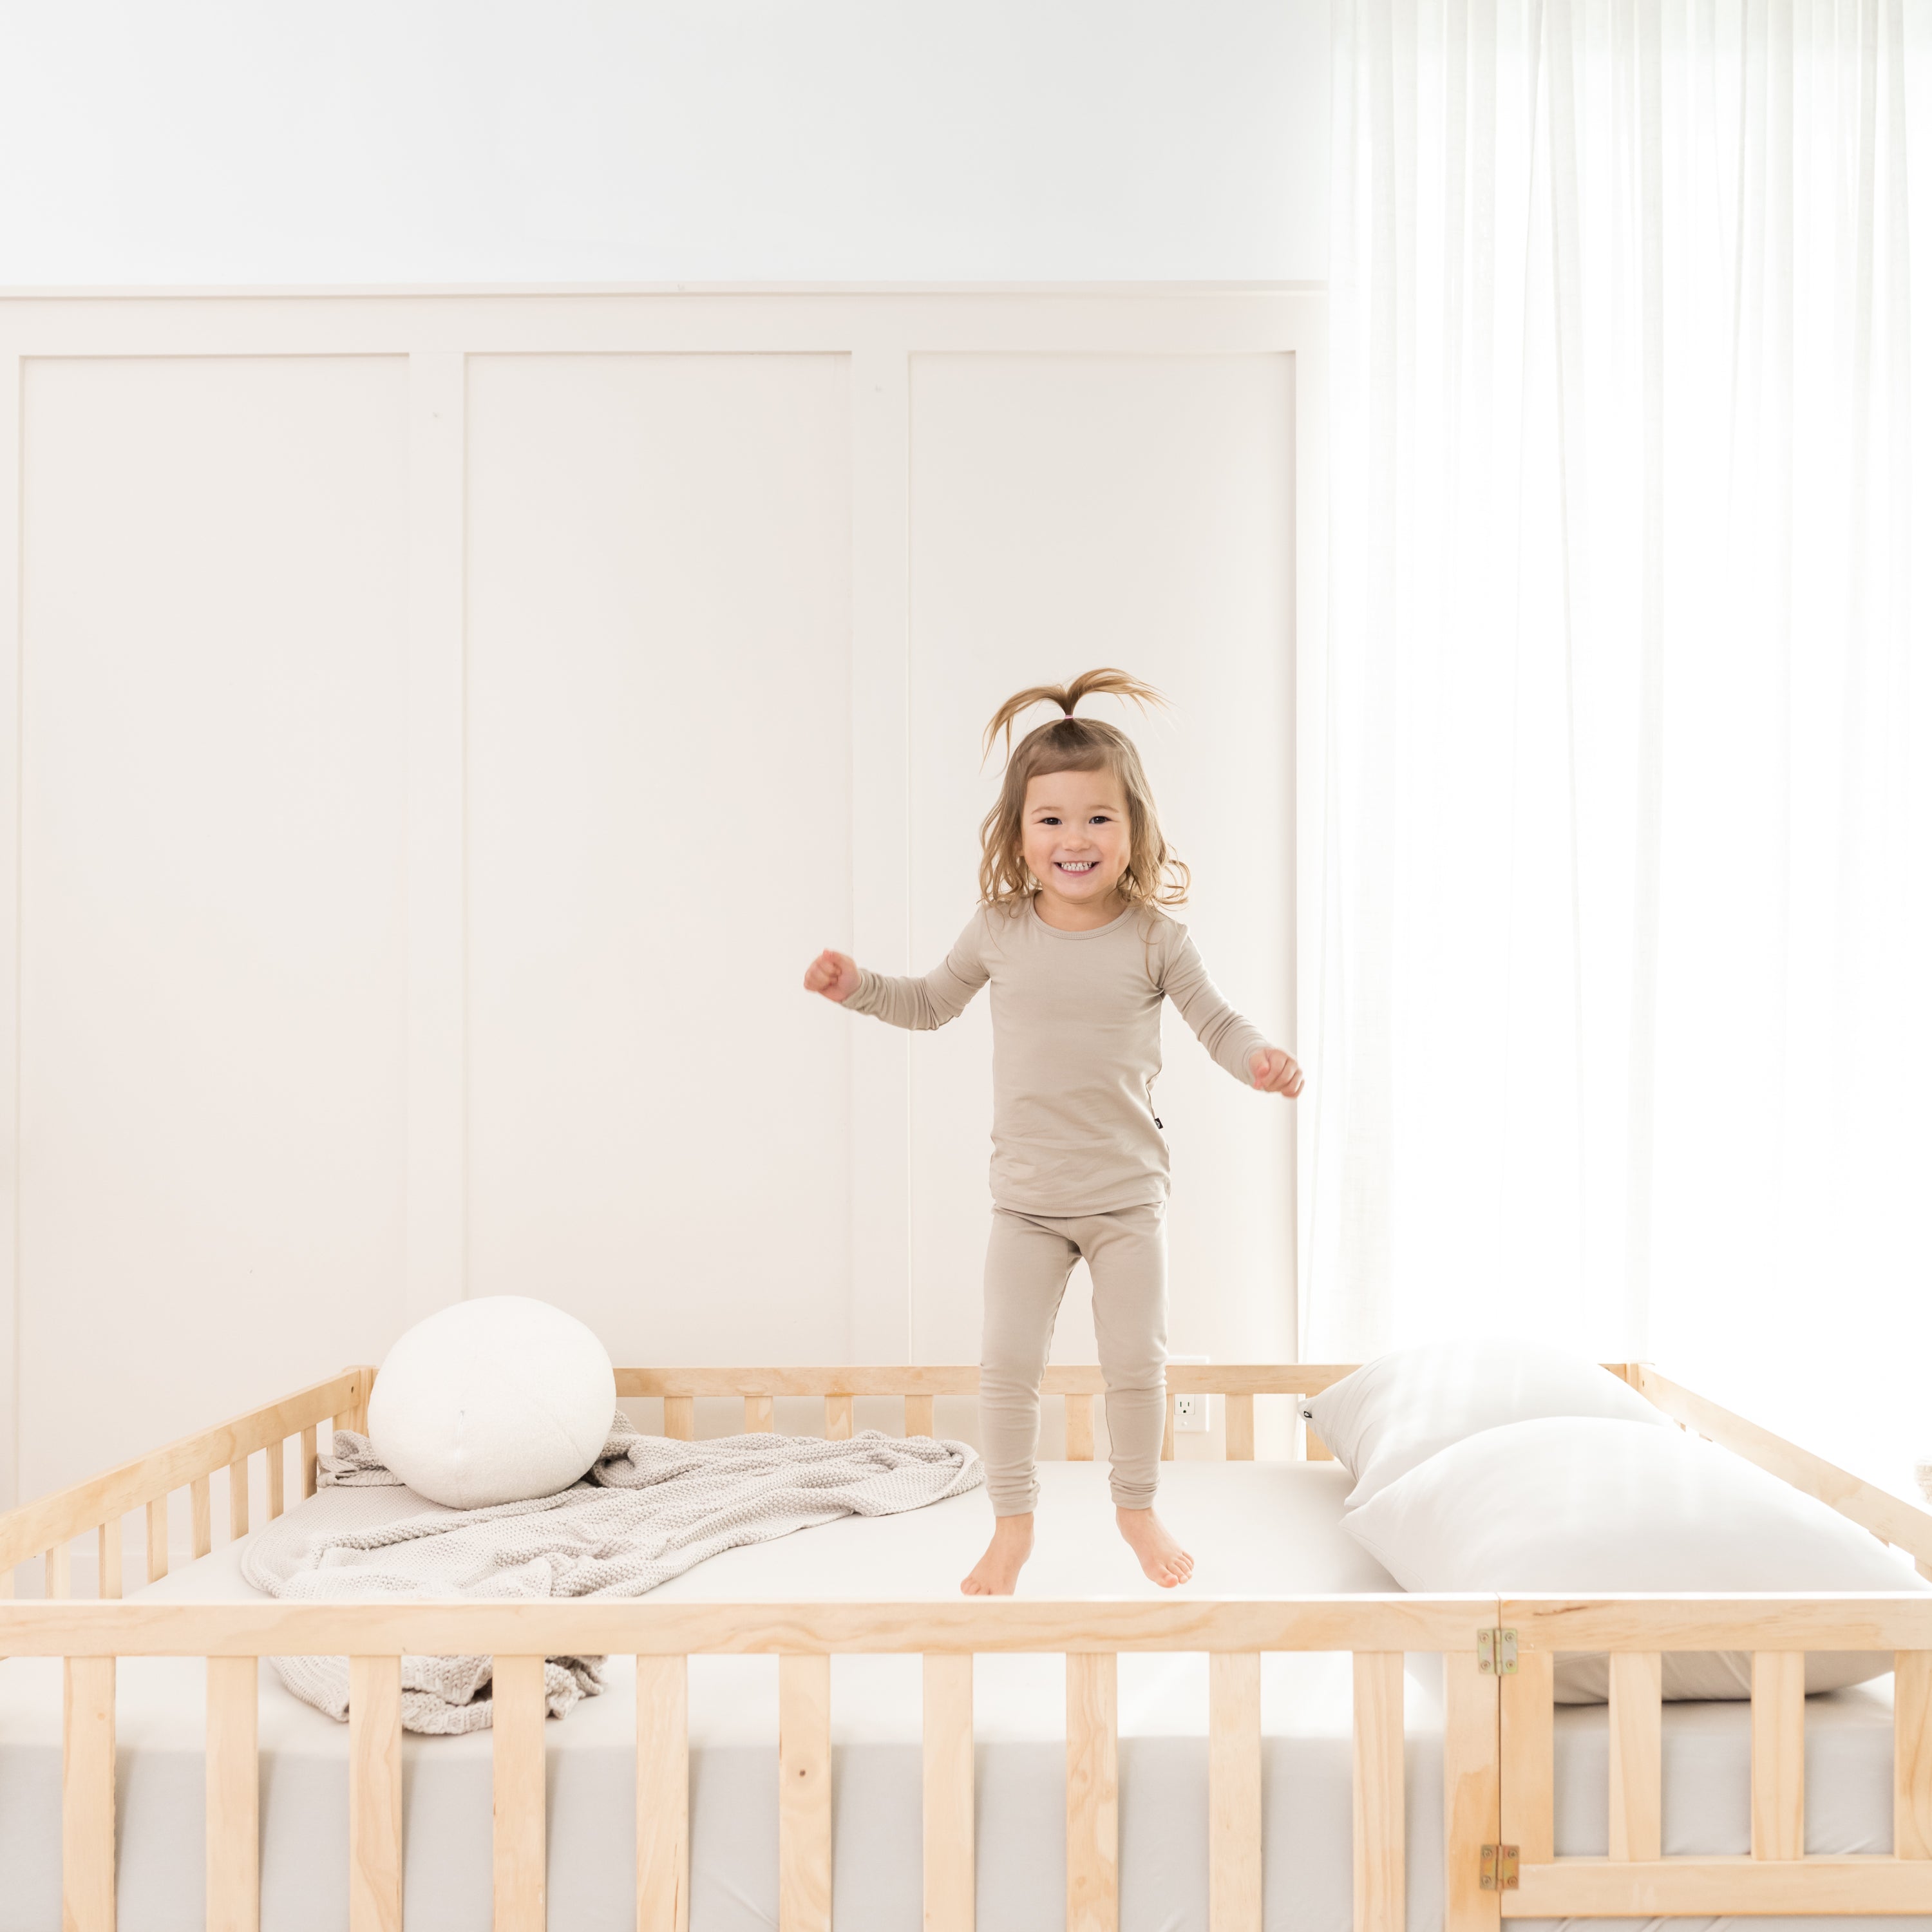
493 1401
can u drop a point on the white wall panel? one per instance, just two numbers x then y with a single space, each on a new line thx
1069 511
449 725
211 907
660 837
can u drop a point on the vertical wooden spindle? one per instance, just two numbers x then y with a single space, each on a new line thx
375 1794
1637 1755
87 1795
1380 1904
947 1727
237 1499
234 1797
1911 1754
1471 1791
158 1539
1234 1791
1093 1792
517 1783
663 1796
109 1562
1529 1755
804 1794
1777 1754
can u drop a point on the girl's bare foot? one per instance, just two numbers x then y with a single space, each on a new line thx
1161 1557
998 1570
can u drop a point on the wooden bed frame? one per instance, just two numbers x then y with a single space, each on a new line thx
1498 1655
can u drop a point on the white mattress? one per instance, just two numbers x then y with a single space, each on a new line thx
1256 1529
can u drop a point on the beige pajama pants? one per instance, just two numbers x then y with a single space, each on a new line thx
1028 1259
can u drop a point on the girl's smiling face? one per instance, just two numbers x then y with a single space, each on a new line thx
1074 839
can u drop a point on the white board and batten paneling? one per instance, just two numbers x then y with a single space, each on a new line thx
441 728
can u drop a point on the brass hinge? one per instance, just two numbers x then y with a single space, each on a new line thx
1496 1653
1499 1864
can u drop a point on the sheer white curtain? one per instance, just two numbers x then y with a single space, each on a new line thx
1618 759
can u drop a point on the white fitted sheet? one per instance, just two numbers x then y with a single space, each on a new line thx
1256 1529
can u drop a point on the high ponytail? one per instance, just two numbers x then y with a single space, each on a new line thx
1105 682
1154 875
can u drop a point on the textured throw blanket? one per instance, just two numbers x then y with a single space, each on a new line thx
648 1510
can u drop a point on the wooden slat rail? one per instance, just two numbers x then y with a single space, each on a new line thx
1599 1888
146 1483
382 1629
1089 1633
917 1387
904 1379
1888 1517
1636 1880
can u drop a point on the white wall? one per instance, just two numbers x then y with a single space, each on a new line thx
448 728
414 142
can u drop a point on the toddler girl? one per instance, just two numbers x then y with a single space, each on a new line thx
1073 872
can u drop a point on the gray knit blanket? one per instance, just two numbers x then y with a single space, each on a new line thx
649 1509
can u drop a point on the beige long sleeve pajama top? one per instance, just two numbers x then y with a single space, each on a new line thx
1076 1047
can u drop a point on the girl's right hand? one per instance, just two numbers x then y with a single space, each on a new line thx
834 975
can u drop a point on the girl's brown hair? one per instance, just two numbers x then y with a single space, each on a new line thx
1155 875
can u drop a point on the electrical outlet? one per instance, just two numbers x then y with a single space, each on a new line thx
1190 1411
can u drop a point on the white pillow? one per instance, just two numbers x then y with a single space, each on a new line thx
1400 1409
492 1401
1573 1506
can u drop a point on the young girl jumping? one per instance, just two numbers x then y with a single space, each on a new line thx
1073 872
